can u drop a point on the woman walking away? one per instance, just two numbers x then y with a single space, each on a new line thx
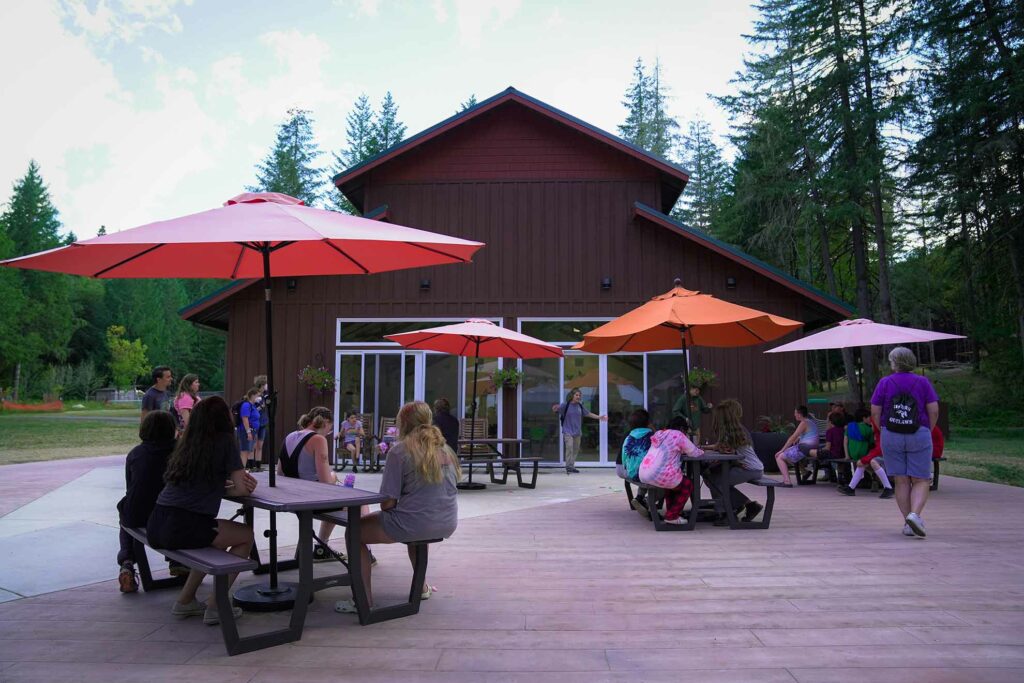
570 415
419 480
144 478
906 408
186 399
185 515
733 437
799 445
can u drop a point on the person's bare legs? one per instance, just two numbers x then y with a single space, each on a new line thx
902 490
783 468
231 536
326 529
257 454
919 489
370 531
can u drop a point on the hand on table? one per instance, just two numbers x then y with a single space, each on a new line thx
250 482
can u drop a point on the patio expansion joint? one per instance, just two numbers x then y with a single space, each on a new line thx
46 493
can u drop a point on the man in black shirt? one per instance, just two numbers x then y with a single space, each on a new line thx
155 397
447 423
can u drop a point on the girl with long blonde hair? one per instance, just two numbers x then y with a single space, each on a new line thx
733 437
419 478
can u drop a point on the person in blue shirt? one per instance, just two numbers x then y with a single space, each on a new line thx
248 430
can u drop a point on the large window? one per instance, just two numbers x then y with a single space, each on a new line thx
559 331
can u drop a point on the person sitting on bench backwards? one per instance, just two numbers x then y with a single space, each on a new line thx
186 510
733 437
419 479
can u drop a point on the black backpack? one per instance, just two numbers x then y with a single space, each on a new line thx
290 461
901 417
236 412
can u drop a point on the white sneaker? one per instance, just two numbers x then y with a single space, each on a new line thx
192 609
907 531
916 524
678 521
211 617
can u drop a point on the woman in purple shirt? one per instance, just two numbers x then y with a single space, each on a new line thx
906 407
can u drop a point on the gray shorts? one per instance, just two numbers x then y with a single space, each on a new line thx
908 455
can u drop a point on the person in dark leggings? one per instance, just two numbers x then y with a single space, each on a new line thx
185 515
733 437
143 477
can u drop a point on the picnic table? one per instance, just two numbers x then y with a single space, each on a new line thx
304 499
491 456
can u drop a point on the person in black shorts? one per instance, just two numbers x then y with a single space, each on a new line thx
185 515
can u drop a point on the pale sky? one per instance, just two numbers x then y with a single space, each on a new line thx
142 110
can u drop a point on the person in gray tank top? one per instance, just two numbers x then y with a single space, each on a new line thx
419 479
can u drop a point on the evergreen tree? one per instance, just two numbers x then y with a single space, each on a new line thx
701 202
468 104
387 130
30 223
359 131
648 124
290 167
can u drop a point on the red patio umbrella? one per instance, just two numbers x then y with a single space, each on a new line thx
254 235
476 338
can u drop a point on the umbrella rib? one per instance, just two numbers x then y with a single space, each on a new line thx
343 253
130 258
438 251
238 262
422 341
756 335
509 347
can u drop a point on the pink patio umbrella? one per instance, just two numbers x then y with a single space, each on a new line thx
254 235
476 339
862 332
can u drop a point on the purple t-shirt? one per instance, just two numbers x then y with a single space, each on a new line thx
917 386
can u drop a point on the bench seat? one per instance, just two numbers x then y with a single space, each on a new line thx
218 563
507 465
377 614
658 494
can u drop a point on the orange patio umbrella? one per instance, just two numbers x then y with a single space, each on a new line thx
681 318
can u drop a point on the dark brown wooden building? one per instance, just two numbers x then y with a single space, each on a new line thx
577 231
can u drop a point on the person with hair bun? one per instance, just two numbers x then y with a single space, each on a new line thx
419 479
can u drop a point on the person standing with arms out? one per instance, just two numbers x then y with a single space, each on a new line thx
906 408
155 397
570 415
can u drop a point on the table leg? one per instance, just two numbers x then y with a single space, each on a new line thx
304 591
353 543
723 484
694 471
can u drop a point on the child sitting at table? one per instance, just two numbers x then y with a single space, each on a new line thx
662 467
733 437
634 448
352 439
864 446
185 514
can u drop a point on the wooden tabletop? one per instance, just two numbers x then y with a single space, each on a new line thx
294 495
487 442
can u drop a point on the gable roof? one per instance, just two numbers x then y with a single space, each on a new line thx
730 252
673 176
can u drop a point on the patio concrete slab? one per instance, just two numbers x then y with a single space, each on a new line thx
569 586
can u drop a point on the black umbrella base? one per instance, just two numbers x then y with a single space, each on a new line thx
263 598
470 485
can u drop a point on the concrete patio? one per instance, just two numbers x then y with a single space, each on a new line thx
559 584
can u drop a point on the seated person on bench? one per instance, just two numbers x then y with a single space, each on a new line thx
860 444
661 467
733 437
144 478
352 436
185 515
419 478
799 445
634 448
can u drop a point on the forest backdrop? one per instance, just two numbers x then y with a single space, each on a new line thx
876 152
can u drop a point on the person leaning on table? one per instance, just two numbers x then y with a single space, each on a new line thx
906 408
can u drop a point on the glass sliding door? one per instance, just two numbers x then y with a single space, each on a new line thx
541 388
625 391
442 379
583 372
487 402
664 385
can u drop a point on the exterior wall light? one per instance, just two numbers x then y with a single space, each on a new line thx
424 285
606 283
730 283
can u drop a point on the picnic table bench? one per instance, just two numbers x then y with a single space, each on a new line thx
373 615
655 495
217 563
485 452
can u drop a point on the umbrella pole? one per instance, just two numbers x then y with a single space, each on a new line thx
472 428
276 596
686 378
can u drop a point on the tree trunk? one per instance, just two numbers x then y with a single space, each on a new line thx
972 298
875 154
17 381
857 228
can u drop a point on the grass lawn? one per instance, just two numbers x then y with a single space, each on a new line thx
30 439
997 456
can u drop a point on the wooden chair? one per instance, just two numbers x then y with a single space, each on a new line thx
378 438
341 460
470 428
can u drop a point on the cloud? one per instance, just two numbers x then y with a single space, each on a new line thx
361 8
121 20
440 11
473 17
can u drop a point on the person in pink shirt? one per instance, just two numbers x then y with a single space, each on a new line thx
662 467
186 399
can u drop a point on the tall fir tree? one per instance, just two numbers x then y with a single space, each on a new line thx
290 167
359 131
701 203
648 124
468 104
388 131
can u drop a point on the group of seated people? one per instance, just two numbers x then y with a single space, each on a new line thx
174 489
852 438
653 458
352 435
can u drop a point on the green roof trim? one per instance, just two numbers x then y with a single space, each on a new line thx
836 304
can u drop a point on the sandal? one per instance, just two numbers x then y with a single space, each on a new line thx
425 595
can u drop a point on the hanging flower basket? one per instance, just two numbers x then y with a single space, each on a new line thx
507 377
317 379
702 378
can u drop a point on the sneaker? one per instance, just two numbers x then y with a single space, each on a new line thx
322 554
721 520
639 506
886 494
192 609
177 568
126 578
211 617
846 490
574 470
752 510
907 531
345 607
916 524
425 595
678 521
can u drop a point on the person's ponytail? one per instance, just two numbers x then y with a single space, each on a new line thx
425 443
